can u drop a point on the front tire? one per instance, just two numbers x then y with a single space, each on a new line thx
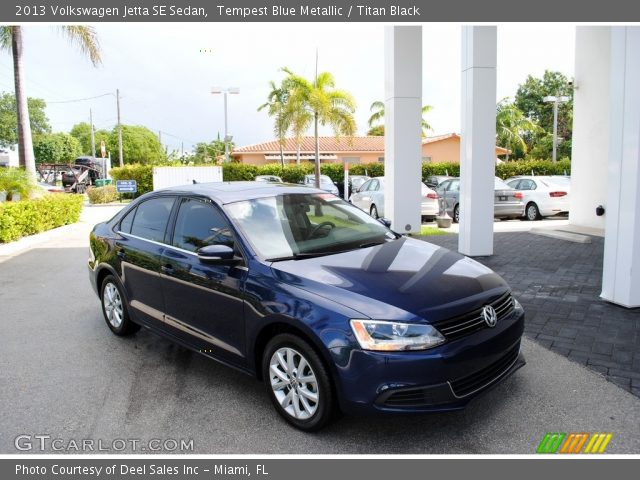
114 308
533 212
456 214
297 382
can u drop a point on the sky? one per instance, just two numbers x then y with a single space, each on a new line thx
165 72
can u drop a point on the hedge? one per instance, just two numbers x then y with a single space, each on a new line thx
26 217
106 194
293 173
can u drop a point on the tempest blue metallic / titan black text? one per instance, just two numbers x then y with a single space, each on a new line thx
333 311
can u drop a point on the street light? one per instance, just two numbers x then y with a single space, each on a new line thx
227 137
556 101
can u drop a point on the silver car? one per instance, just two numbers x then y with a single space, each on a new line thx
508 202
326 183
370 198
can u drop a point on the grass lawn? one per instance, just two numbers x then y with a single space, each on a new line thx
427 231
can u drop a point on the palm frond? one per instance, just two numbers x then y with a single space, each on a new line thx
5 37
86 38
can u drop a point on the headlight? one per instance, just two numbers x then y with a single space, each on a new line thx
394 336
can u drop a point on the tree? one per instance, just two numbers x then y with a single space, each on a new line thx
56 148
512 127
11 39
321 101
377 131
9 120
139 144
377 116
82 132
15 181
529 99
209 152
276 107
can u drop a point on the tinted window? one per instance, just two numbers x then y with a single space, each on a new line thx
454 186
125 224
151 219
199 224
365 186
374 185
513 183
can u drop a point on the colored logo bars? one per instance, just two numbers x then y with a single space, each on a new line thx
574 443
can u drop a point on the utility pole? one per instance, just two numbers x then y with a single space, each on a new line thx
160 137
182 149
556 100
93 135
119 129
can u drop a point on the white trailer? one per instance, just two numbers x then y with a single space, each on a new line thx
164 177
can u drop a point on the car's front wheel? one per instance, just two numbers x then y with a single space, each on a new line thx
114 308
297 382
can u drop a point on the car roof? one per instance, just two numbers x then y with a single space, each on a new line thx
229 192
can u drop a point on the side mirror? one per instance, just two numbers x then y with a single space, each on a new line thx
217 253
385 221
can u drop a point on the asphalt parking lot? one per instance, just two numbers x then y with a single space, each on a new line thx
63 374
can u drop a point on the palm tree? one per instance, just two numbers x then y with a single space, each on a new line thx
276 107
512 125
320 101
11 39
377 115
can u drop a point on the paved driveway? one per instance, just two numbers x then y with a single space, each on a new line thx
63 373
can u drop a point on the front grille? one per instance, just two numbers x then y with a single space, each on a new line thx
471 383
457 327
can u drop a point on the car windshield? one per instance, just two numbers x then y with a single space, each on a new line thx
295 226
324 179
500 185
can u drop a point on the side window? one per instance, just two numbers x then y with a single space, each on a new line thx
151 219
532 185
374 186
442 187
199 224
454 186
365 186
514 184
125 223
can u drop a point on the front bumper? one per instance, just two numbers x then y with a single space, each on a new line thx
444 378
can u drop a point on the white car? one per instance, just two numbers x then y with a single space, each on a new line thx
543 196
370 198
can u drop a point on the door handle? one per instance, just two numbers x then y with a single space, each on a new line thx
167 268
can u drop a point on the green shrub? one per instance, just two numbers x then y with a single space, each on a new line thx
370 169
142 174
234 172
537 167
15 181
428 169
105 194
18 219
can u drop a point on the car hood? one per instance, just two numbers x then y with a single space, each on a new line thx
406 279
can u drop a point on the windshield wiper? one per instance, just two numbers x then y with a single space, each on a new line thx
300 256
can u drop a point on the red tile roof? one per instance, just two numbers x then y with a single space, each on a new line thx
335 145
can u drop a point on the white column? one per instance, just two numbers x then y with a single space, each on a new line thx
477 147
590 142
403 141
621 276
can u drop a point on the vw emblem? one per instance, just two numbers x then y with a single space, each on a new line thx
490 316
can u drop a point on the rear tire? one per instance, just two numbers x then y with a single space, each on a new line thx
532 212
374 212
298 383
456 214
115 308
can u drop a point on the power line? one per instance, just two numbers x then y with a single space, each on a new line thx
83 99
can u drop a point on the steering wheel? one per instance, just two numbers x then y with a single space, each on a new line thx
320 226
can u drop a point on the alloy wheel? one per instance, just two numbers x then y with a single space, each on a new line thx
294 383
112 302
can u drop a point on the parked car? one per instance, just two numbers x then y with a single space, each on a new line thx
370 198
268 178
355 182
327 306
326 183
508 202
434 180
542 196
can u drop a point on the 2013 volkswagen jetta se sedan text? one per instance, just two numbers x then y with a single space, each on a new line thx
330 308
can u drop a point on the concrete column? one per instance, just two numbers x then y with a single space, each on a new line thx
621 276
477 147
590 146
403 141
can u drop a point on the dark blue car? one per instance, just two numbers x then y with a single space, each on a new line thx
327 306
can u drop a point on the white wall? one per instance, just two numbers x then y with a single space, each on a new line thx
590 151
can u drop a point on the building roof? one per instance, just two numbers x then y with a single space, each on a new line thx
339 144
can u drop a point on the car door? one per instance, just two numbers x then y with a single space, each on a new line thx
142 233
356 198
203 301
441 190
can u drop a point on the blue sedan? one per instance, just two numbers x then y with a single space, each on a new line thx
328 307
